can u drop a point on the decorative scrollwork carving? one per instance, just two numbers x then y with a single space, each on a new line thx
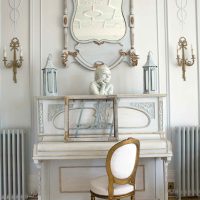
148 108
133 57
54 109
102 114
41 120
99 42
66 54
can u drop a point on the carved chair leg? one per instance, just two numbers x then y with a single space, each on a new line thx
132 197
92 197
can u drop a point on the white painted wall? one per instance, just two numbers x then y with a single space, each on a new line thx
40 31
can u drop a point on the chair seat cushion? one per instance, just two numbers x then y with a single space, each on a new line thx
100 186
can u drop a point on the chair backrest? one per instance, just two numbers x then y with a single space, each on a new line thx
122 161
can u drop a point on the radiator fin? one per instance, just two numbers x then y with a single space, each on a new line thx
12 171
188 161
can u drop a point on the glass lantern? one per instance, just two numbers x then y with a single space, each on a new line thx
50 78
150 75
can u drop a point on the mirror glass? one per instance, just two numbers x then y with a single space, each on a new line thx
98 20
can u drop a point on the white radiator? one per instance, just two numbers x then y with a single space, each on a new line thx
12 164
187 159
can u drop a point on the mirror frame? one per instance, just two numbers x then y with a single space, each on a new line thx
132 56
92 39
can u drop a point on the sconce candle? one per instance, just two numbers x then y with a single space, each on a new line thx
21 52
192 50
150 75
177 50
183 61
50 78
15 63
4 52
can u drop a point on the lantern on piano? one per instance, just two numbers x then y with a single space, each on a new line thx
50 78
150 71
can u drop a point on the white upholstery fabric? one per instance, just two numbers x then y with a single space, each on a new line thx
123 161
100 186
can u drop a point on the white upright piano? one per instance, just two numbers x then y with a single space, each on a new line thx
66 167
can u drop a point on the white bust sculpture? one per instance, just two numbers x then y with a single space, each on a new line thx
101 85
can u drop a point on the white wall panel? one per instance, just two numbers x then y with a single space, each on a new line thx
183 94
15 104
197 7
43 34
125 79
1 50
35 63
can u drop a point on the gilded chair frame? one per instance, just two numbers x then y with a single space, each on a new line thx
113 180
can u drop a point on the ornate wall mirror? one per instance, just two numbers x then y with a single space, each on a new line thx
100 29
99 21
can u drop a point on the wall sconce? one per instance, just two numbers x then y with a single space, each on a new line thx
66 54
133 57
15 63
183 61
150 75
50 78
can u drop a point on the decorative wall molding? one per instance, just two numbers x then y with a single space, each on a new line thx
158 43
197 4
181 12
15 12
35 86
65 24
168 105
41 47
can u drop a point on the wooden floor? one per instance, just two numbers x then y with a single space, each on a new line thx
185 198
170 198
